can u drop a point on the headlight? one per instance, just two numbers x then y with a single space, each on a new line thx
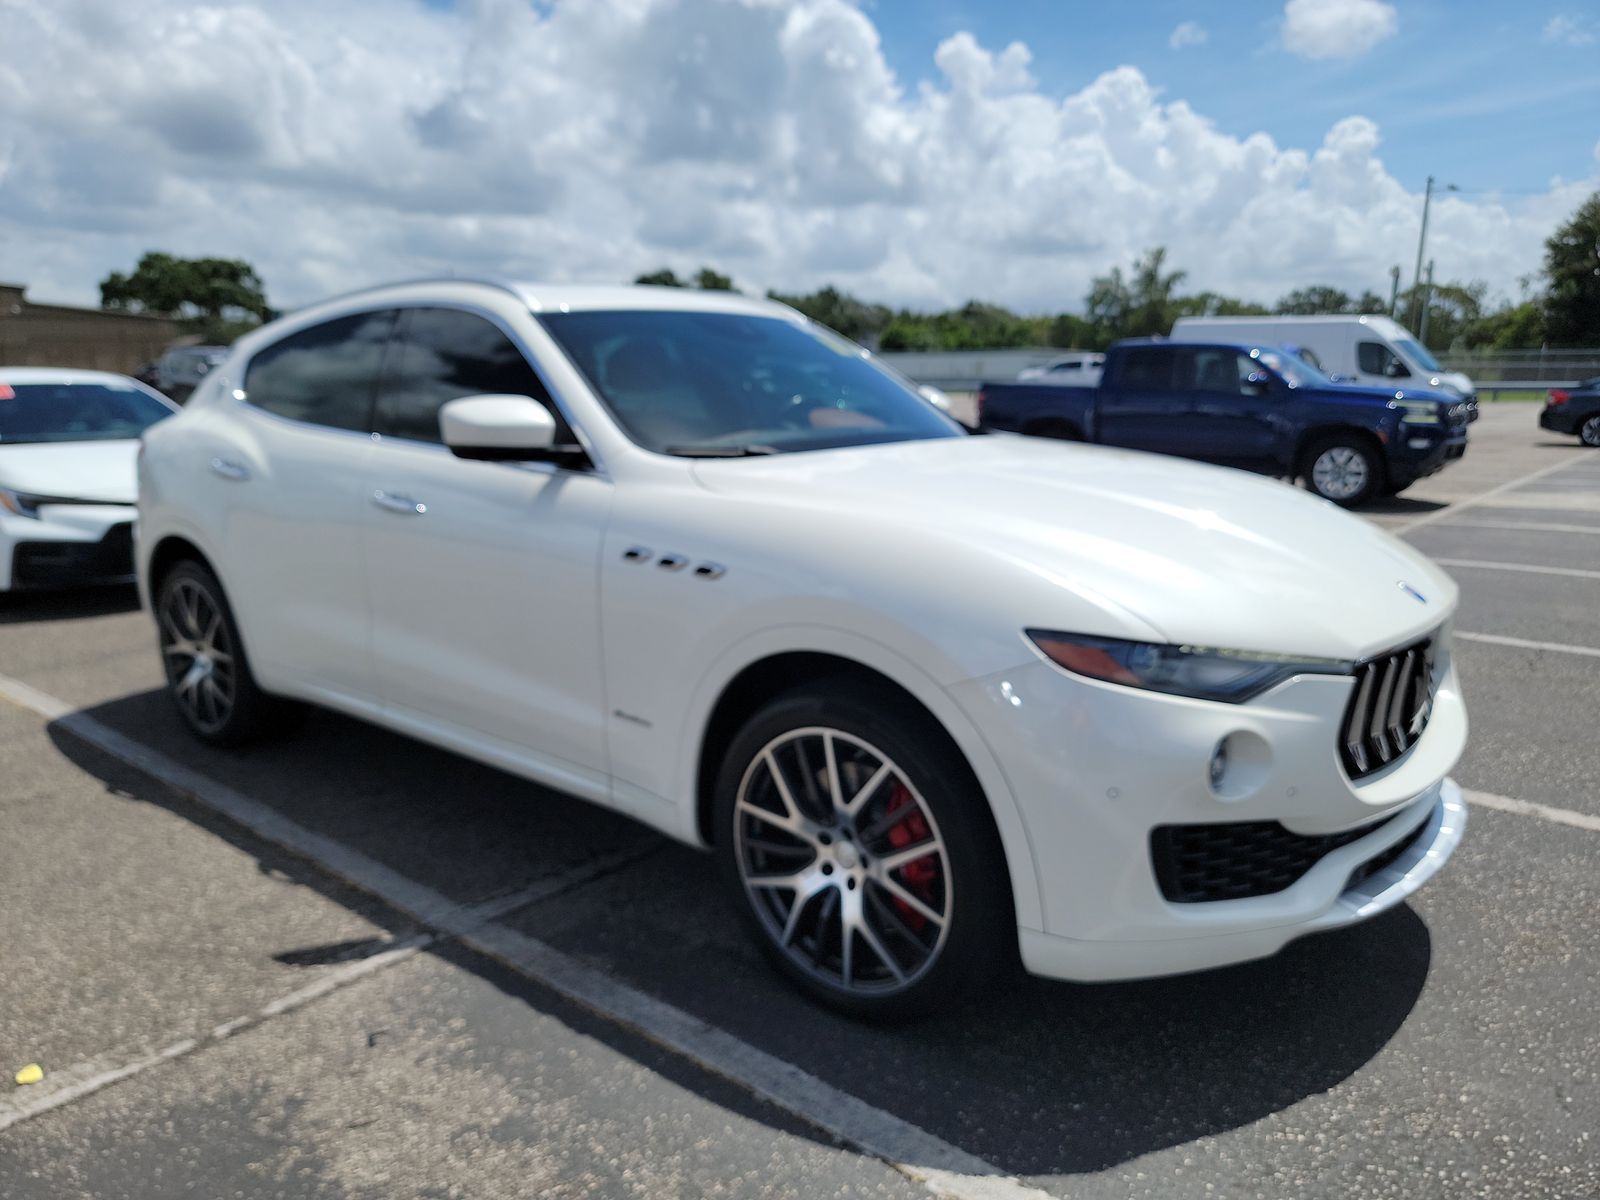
1417 412
1204 672
19 503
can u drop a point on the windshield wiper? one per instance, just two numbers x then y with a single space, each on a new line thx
713 451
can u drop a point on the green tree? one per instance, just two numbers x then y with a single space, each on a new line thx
665 277
1314 300
1572 268
708 279
1139 305
1511 327
855 319
218 297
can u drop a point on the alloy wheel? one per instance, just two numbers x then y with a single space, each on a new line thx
842 861
1340 472
198 654
1589 434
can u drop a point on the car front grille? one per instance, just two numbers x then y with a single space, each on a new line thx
61 564
1388 709
1234 861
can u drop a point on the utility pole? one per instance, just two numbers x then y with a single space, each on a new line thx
1427 303
1422 237
1394 288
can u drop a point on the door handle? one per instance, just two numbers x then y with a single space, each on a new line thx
228 469
399 504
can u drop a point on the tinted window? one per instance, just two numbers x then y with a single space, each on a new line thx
325 374
725 383
442 354
1374 358
1148 369
75 412
1214 369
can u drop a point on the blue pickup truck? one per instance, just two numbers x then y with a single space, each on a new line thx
1252 407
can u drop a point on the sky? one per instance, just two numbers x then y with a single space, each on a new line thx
916 152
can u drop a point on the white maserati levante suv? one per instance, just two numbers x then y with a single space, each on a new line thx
68 440
933 699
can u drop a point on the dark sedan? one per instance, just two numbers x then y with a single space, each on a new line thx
1574 411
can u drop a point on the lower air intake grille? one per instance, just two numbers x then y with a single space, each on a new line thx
1199 863
1388 710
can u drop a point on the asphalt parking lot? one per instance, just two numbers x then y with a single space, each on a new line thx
349 965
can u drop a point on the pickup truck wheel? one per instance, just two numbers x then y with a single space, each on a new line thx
860 853
1345 470
1589 431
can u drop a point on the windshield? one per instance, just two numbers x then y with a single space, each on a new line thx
1296 371
1417 353
723 383
75 412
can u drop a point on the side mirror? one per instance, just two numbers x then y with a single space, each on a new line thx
1258 384
498 428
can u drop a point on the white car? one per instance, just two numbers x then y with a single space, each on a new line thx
933 698
1072 370
67 487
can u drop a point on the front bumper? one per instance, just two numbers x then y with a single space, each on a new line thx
67 546
1096 770
1420 454
1403 859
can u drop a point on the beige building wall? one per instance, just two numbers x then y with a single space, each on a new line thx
57 335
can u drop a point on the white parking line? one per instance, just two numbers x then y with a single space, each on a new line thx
1451 510
946 1170
1527 808
1496 639
1533 526
1478 565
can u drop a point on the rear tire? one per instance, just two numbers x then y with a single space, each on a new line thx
809 792
1344 469
1589 431
208 674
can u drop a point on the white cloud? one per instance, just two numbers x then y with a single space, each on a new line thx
1567 30
339 145
1190 33
1336 28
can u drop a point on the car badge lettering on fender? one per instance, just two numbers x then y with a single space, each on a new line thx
1411 591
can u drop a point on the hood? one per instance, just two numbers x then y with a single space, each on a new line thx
1202 555
104 471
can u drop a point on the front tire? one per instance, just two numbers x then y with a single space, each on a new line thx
1346 470
208 675
1589 431
861 854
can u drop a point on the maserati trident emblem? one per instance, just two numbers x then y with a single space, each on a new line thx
1411 591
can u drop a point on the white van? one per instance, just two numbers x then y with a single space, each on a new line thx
1372 350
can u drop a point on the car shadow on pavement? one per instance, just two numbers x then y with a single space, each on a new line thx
1400 506
1038 1078
17 608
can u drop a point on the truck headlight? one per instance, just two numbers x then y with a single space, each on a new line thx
1417 412
1204 672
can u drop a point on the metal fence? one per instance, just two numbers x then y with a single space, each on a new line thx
1536 366
964 370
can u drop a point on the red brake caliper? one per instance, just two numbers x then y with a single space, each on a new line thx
919 874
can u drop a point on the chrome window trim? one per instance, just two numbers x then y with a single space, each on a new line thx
596 462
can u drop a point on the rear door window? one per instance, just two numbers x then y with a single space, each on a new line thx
324 374
442 354
1149 369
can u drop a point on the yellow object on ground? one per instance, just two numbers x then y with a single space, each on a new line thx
32 1073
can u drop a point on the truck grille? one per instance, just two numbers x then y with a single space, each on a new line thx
1388 710
1234 861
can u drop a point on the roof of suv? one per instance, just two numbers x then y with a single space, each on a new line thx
571 297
